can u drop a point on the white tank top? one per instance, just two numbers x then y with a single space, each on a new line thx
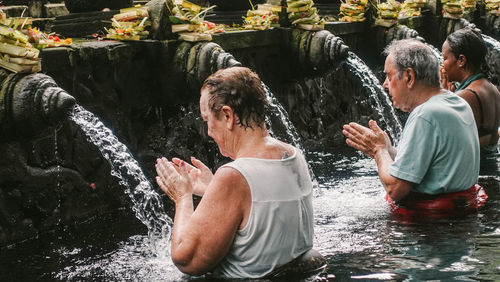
280 224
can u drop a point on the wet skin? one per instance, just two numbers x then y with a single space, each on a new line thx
455 70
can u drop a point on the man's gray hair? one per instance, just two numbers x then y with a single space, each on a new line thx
411 53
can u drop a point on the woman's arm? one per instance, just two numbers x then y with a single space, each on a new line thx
202 237
199 174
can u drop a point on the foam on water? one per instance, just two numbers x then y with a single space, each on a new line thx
131 261
348 206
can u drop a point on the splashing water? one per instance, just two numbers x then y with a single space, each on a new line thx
493 64
130 261
277 112
382 102
147 204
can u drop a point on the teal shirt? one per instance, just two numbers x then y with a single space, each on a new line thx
439 147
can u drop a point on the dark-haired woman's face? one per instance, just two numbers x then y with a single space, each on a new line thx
451 64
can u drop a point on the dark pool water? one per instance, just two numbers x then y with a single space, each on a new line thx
354 230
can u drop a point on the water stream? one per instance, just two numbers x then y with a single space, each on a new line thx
492 42
146 203
436 52
280 125
383 104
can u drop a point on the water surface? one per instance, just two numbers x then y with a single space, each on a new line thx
354 230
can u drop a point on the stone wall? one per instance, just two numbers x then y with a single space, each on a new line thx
138 90
147 93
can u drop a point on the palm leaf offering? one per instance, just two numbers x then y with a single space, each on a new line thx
42 40
303 14
353 10
452 9
130 24
264 17
17 54
387 13
412 8
188 20
493 6
469 5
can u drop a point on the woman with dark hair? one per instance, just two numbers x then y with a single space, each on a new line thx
464 53
256 213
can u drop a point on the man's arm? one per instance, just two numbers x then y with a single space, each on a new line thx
395 187
368 140
376 143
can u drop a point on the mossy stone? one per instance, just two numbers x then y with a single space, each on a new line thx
83 6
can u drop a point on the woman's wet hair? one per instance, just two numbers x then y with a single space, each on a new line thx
411 53
469 43
242 90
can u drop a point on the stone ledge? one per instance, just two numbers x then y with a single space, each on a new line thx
248 38
341 28
87 16
226 17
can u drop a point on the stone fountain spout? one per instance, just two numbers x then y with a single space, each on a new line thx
317 50
195 62
30 104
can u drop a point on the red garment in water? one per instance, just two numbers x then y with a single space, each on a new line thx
449 204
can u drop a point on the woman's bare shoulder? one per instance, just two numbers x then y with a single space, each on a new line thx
282 147
484 88
228 178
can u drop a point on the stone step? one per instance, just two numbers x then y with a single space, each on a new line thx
82 24
16 11
143 2
55 10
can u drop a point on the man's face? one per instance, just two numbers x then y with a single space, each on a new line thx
397 87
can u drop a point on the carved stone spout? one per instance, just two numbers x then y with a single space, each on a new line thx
29 104
448 26
317 50
492 24
382 36
198 61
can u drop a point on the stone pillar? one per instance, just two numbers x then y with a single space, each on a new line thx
35 8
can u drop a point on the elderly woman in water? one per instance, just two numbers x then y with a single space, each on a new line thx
256 212
464 53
